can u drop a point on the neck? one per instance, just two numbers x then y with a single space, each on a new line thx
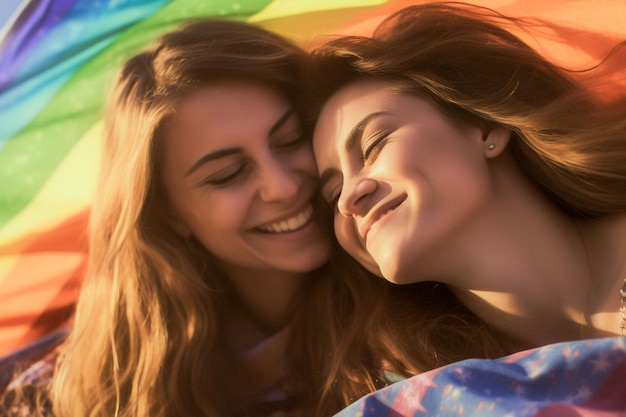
268 295
532 276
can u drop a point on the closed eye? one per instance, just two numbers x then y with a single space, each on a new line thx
330 185
330 194
293 144
373 149
334 200
225 178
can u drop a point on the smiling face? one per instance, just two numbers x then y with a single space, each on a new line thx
239 172
404 179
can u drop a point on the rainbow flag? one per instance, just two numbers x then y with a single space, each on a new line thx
57 62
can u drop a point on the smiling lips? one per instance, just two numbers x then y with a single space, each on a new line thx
291 224
378 214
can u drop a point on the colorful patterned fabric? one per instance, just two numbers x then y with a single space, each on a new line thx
586 378
26 374
17 368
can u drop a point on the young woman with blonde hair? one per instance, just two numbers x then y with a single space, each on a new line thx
453 152
214 288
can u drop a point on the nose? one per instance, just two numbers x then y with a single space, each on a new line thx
354 195
279 181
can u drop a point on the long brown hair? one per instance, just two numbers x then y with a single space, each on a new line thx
150 315
463 59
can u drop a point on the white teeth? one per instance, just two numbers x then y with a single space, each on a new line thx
291 224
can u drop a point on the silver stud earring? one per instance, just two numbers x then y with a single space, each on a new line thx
491 147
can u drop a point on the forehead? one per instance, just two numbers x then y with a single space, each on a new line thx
214 105
233 114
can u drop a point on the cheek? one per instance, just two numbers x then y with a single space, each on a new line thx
349 240
304 160
465 182
227 211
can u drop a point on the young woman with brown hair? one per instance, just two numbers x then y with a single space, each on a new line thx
453 152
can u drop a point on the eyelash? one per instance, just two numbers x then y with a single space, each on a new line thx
225 180
333 198
380 136
287 146
334 201
293 144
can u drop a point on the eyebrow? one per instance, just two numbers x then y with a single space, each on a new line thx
356 134
230 151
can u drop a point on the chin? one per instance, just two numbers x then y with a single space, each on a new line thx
391 271
310 262
400 279
372 267
393 279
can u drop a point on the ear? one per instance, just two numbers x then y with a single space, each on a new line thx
496 141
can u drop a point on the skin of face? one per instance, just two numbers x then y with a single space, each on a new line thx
403 179
240 174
